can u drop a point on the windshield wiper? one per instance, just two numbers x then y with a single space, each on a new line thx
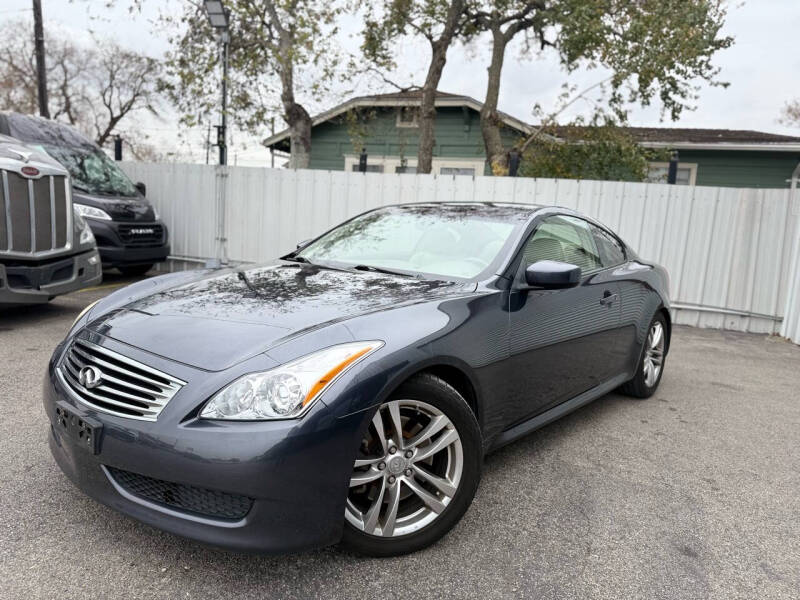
81 186
300 259
372 269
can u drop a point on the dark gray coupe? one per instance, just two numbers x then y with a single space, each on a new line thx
348 391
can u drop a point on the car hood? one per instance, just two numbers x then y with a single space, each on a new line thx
226 317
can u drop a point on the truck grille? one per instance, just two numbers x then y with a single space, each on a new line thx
116 384
210 503
141 235
35 215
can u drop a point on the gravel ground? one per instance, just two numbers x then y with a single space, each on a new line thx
690 494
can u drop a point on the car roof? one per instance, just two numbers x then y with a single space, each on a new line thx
519 210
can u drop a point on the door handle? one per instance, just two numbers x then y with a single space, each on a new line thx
608 299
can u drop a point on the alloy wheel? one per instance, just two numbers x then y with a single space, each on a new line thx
653 354
408 470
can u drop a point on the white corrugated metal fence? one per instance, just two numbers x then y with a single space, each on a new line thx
732 253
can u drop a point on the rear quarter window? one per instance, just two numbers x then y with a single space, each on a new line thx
611 251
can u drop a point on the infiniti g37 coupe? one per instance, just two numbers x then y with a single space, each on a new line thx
348 391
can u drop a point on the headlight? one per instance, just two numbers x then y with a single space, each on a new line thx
83 312
156 216
85 235
288 391
92 212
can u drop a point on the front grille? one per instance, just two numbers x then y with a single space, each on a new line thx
35 214
141 235
202 501
114 383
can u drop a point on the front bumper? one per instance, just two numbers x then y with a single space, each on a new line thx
296 471
37 284
119 247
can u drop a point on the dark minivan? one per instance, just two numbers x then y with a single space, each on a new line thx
130 236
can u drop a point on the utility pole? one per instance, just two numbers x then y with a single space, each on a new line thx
41 71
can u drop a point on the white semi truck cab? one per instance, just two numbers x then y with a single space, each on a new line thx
46 247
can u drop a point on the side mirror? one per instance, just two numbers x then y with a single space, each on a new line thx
141 187
552 274
303 244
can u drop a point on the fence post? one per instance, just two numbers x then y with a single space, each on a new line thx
790 327
221 198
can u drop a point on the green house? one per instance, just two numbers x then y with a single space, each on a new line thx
385 126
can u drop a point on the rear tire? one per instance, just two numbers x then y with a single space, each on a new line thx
651 361
420 491
135 269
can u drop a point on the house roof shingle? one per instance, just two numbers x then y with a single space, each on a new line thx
692 135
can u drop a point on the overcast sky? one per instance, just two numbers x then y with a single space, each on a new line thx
763 68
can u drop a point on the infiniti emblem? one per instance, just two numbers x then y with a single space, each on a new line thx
90 377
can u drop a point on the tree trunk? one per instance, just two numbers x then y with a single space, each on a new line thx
427 116
427 111
299 135
295 115
496 153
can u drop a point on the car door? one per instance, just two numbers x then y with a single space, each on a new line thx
560 340
631 295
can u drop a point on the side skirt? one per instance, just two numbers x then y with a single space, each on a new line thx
540 420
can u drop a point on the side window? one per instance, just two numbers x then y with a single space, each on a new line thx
611 252
565 239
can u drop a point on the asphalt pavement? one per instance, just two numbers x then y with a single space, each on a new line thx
694 493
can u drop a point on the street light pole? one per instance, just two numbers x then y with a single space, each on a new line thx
223 147
218 18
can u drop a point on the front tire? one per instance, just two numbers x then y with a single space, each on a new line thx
651 362
416 472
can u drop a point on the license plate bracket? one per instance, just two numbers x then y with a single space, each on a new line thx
85 431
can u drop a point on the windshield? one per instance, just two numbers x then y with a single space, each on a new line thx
92 171
452 241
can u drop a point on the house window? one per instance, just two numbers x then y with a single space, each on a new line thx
457 171
446 166
370 168
408 116
687 173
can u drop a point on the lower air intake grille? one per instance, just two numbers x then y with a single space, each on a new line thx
201 501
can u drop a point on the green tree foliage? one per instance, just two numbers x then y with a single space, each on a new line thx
601 151
282 53
791 114
643 50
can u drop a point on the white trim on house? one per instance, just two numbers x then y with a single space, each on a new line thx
391 163
692 167
763 146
